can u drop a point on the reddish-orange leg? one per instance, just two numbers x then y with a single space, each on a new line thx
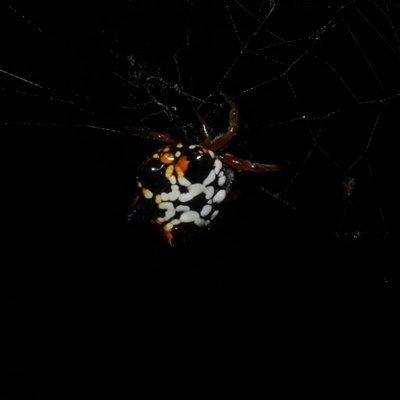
221 140
164 137
207 137
218 142
246 165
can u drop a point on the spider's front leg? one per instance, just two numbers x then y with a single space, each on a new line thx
221 140
246 165
164 137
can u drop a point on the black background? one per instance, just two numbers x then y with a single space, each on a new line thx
92 297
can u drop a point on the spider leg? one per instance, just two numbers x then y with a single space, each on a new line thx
164 137
207 136
222 140
246 165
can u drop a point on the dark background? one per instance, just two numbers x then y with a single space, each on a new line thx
86 294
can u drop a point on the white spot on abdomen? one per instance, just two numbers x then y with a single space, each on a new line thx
192 216
193 191
189 216
209 192
147 193
221 180
172 195
183 181
200 222
214 214
210 178
206 210
172 179
219 197
182 208
169 210
217 166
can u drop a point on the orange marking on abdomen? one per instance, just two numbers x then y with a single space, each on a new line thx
167 158
169 236
181 165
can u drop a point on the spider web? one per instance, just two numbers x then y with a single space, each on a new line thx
317 86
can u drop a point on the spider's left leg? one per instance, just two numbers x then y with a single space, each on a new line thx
222 140
165 137
246 165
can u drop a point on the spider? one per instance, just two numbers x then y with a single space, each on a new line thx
183 186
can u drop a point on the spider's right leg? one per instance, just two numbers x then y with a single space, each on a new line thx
221 140
246 165
207 136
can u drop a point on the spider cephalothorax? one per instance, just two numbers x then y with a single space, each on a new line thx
183 186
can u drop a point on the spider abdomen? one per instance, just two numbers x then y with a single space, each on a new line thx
181 188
